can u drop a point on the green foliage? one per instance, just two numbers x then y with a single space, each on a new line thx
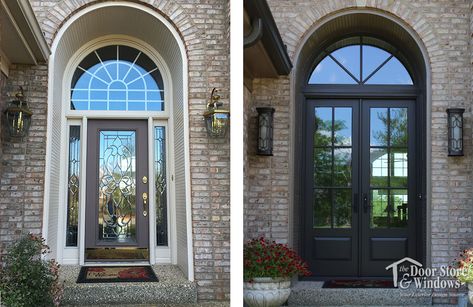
464 266
26 279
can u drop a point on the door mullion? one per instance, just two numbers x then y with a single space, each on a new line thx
359 145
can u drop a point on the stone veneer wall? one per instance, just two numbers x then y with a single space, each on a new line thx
445 27
204 26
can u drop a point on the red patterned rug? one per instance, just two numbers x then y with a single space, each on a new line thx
340 283
98 274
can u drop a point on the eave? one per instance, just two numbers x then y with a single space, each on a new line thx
21 38
265 55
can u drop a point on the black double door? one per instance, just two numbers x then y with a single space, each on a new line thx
360 186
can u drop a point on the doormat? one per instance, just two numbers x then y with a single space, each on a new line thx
98 274
334 283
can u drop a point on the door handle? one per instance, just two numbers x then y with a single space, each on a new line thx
365 203
145 203
356 203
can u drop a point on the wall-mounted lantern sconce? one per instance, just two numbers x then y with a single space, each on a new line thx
455 131
265 131
217 120
18 116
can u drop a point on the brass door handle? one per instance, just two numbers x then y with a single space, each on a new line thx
145 203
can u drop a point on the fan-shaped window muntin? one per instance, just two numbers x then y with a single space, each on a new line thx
117 78
360 60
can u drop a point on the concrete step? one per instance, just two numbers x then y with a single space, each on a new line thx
172 288
311 293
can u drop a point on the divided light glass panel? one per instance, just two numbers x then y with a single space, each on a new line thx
73 186
332 154
160 185
358 61
117 78
389 167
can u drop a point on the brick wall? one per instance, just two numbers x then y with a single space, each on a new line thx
23 160
267 178
204 26
445 29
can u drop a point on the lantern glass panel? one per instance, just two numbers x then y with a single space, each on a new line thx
265 131
455 132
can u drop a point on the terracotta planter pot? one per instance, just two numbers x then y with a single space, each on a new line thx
267 292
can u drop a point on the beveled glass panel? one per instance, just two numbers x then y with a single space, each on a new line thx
398 126
379 126
323 127
399 167
342 167
379 208
160 185
379 167
329 72
349 57
73 186
322 167
393 72
399 201
117 186
342 214
343 126
322 208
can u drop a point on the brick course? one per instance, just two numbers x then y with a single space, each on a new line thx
204 28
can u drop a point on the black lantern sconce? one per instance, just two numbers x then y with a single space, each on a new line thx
217 120
265 131
18 116
455 131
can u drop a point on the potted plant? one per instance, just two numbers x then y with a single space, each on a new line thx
465 270
268 269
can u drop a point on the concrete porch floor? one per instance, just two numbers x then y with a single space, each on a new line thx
173 289
311 293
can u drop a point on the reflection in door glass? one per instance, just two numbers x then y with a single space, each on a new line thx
343 208
117 186
332 154
322 208
379 127
398 126
323 127
389 167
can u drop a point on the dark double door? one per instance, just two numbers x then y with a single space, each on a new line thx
360 186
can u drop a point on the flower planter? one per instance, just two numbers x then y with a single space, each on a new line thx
470 291
266 292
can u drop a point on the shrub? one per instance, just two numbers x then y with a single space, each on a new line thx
464 266
28 280
270 259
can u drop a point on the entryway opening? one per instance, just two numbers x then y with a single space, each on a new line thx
117 174
360 179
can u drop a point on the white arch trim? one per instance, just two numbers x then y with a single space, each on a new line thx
51 78
428 96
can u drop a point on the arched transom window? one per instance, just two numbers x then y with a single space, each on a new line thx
118 78
360 60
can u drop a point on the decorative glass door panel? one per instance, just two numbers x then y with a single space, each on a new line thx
117 191
360 186
117 186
